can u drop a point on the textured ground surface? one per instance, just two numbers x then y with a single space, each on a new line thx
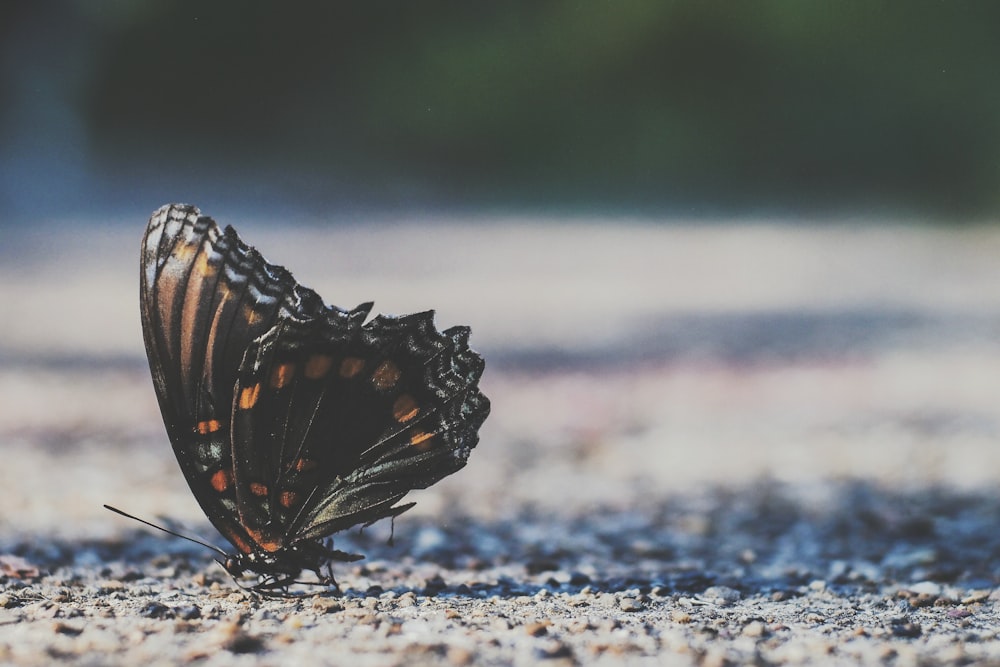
709 445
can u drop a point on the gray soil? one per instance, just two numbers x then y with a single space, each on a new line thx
710 445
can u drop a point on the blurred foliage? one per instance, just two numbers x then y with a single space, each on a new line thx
706 106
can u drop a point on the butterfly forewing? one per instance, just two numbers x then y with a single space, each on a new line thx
203 297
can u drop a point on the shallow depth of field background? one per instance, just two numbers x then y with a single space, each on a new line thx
659 108
698 243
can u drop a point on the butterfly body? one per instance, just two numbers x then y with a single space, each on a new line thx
292 420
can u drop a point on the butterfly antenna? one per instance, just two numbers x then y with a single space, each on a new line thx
168 531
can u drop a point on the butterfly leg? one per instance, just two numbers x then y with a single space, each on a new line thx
272 585
327 578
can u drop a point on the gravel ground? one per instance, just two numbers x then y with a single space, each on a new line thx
716 444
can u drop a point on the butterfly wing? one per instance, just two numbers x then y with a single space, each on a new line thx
336 420
204 296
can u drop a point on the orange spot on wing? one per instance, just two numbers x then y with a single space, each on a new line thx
208 426
248 396
265 543
258 489
351 366
185 252
288 498
282 374
221 479
202 266
405 408
304 465
421 440
386 375
318 366
239 542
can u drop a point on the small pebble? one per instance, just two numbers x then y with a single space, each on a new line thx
183 627
66 629
323 605
156 610
242 642
721 595
554 649
188 613
925 588
680 616
537 629
62 596
976 596
630 604
460 656
434 585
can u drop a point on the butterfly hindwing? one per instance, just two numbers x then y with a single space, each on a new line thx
334 421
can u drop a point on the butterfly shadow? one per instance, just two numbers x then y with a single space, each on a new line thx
759 539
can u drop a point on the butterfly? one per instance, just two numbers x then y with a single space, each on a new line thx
291 419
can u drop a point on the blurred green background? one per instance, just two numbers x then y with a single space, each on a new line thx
871 109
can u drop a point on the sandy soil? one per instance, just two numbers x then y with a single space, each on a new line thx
710 444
